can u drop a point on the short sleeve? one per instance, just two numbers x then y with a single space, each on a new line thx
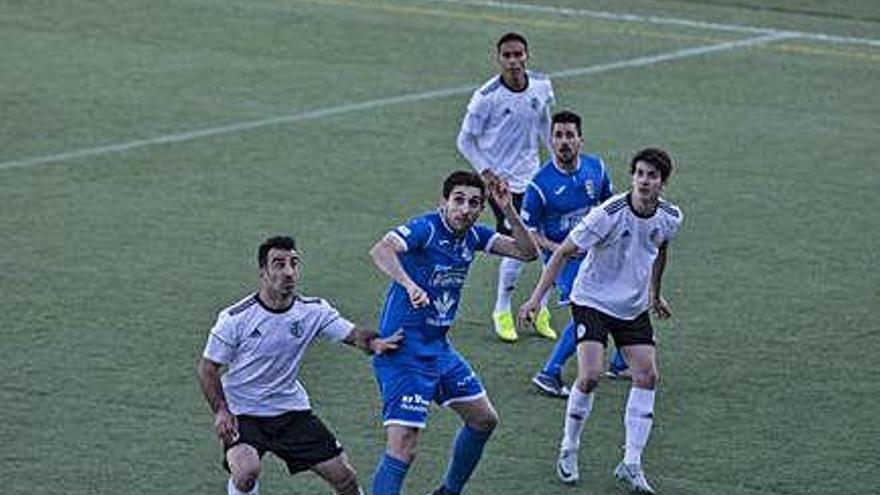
485 237
414 234
331 325
222 341
532 211
477 115
591 230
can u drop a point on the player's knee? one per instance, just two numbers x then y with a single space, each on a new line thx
487 421
646 378
587 383
402 444
345 482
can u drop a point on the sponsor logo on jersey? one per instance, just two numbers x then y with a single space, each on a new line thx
445 276
443 304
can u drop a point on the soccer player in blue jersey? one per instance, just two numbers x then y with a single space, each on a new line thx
427 260
557 198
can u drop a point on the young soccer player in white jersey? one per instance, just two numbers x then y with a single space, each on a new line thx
259 404
626 239
507 119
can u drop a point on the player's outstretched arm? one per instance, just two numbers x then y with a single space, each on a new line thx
548 276
370 342
385 256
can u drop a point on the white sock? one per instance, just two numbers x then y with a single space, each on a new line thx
232 490
576 413
508 274
638 419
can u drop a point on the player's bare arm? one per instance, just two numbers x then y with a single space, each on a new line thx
225 423
658 303
565 250
370 342
385 256
521 245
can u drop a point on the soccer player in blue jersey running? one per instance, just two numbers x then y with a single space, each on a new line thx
427 260
557 198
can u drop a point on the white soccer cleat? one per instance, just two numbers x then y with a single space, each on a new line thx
632 476
567 466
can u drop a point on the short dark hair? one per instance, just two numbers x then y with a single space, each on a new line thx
511 36
463 178
567 117
284 242
656 157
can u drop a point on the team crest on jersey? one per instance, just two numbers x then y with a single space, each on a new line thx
591 190
296 329
466 253
535 103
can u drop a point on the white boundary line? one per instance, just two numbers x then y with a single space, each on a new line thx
650 19
382 102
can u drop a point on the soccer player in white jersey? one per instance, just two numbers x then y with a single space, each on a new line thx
507 119
259 404
626 239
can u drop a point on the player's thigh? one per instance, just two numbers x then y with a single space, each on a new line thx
338 473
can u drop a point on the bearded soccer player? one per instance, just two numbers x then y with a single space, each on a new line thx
427 260
259 405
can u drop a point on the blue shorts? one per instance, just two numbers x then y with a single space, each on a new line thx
408 384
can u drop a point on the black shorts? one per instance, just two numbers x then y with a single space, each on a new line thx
298 438
501 224
595 325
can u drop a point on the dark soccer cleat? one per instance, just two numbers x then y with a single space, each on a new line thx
550 385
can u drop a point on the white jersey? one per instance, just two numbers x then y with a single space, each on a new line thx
615 276
263 350
509 127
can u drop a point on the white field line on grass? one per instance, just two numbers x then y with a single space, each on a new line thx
658 20
367 105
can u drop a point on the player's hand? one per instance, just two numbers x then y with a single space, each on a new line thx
417 296
226 426
498 189
387 344
527 312
661 307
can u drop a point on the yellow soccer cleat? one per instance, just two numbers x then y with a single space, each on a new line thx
542 324
504 327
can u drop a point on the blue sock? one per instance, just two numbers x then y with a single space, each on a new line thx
563 350
617 363
467 448
389 476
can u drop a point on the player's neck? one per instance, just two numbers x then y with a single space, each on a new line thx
515 84
568 168
275 301
644 206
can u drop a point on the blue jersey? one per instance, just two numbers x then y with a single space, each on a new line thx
438 261
555 201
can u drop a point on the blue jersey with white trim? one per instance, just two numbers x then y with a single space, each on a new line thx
438 261
556 200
